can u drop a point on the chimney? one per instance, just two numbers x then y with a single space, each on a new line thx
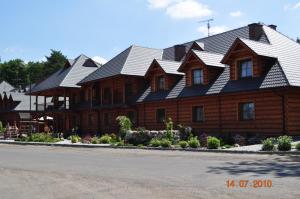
255 31
274 27
179 52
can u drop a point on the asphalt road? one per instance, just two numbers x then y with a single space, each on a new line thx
35 172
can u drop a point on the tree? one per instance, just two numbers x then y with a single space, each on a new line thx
35 71
14 72
298 40
54 62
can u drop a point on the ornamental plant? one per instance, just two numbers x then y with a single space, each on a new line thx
298 146
194 142
165 143
183 144
268 144
284 143
213 143
155 142
169 129
105 139
125 125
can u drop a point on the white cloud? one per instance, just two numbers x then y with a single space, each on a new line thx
155 4
292 6
188 9
236 14
13 50
181 9
213 30
99 59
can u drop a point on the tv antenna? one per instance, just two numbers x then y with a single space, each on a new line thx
208 21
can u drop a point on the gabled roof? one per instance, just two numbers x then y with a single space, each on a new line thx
287 52
169 67
258 48
68 76
5 87
210 59
135 60
274 78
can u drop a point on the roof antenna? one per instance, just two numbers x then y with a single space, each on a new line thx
208 24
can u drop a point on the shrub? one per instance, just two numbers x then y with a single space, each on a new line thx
1 128
213 143
139 137
95 140
125 125
75 138
194 142
169 129
114 137
183 144
165 143
268 144
155 142
284 143
298 146
41 137
121 143
105 139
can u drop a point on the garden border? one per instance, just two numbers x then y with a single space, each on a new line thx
150 148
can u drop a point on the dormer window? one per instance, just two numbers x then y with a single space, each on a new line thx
245 69
197 76
160 83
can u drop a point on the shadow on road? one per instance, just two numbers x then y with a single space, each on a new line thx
282 166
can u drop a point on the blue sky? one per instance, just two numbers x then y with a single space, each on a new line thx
103 28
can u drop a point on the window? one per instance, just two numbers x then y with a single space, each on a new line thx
161 83
107 96
128 90
197 77
245 69
160 115
247 111
198 114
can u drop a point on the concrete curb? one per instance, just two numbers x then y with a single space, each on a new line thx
152 148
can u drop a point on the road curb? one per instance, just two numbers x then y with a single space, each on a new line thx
153 148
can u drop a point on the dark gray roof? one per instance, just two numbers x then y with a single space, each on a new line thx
170 67
68 76
210 59
274 78
135 60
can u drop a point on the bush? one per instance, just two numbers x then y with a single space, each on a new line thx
213 143
203 139
165 143
284 143
105 139
183 144
268 144
125 125
95 140
155 142
194 142
121 143
1 128
41 137
298 146
75 138
169 129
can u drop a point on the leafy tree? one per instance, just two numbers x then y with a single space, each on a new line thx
35 71
54 62
125 125
14 72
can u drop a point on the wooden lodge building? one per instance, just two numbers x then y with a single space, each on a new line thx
242 81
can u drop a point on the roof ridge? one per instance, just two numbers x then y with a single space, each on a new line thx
281 34
207 52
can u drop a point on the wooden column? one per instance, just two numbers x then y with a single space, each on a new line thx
112 93
36 103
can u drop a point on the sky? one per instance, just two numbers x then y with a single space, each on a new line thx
103 28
